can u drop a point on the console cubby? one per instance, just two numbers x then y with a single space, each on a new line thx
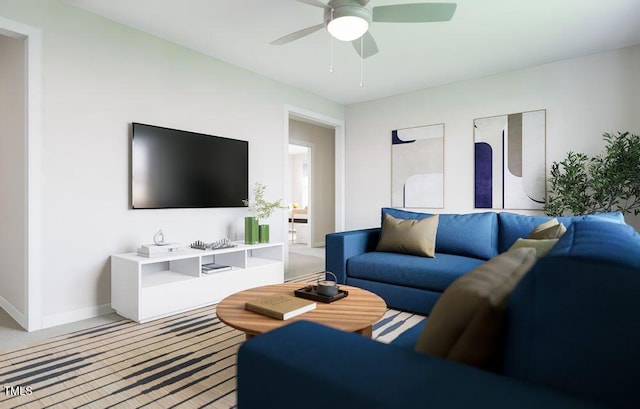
144 289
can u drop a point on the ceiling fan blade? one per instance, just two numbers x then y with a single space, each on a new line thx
368 44
314 3
298 34
363 2
414 13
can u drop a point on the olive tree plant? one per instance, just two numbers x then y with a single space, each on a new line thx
261 207
607 182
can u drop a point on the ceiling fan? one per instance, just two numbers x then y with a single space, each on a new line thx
349 20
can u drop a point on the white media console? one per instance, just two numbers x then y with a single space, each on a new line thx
144 289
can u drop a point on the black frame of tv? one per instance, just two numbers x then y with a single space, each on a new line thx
172 168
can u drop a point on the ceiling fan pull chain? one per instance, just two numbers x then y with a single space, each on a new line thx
331 40
331 62
361 62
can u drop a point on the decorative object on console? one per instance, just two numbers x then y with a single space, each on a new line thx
510 161
159 247
152 250
417 167
158 238
263 233
214 268
262 210
604 183
199 245
216 245
222 244
251 230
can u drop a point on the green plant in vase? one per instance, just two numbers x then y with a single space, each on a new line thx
255 232
607 182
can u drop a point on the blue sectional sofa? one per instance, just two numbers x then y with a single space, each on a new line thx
414 283
571 340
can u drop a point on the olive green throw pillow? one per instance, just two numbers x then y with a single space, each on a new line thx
542 246
466 325
417 237
551 229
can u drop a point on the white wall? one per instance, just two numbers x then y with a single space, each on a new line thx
98 77
12 176
322 206
584 97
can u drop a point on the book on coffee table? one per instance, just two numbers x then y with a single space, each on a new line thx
280 306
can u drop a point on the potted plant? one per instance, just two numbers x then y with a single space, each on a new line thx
261 209
604 183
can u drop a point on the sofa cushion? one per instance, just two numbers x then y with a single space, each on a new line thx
410 271
467 323
513 226
417 237
541 246
613 217
551 229
471 235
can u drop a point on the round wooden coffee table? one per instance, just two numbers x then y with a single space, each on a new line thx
355 313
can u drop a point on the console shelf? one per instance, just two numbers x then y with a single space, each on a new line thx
144 289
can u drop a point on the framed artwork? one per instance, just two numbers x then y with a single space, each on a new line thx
417 167
510 161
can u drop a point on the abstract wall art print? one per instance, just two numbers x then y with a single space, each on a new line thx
417 167
510 161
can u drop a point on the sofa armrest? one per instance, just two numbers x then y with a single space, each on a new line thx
571 324
312 366
341 246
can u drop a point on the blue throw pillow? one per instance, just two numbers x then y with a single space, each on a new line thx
471 235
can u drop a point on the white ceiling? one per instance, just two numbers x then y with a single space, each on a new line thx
485 37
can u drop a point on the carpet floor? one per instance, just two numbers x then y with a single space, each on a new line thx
183 361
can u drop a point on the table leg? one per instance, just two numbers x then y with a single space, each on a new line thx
366 332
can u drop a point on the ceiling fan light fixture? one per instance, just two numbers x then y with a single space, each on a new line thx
347 23
348 28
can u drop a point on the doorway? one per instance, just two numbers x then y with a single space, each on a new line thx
12 177
24 301
304 256
314 188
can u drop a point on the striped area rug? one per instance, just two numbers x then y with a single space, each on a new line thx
183 361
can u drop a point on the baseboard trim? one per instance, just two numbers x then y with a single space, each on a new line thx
13 312
77 315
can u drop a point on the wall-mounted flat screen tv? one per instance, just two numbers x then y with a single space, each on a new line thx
177 169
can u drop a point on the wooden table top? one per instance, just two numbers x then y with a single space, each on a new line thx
354 313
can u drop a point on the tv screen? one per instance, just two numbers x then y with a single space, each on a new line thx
176 169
